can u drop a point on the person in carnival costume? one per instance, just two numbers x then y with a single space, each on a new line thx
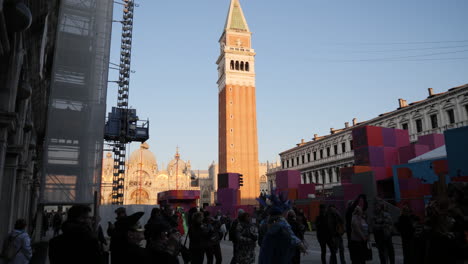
277 241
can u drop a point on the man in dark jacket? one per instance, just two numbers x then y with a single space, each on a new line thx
132 251
323 235
233 235
77 243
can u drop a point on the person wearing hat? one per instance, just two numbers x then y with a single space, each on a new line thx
116 232
165 244
131 250
278 243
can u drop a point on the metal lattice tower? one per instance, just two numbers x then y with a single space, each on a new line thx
120 149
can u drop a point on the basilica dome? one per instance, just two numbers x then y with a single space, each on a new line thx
178 165
143 155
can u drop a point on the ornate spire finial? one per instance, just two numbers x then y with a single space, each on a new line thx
177 155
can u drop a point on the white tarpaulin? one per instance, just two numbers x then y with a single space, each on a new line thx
437 153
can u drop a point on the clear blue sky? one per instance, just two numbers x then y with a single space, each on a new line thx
318 65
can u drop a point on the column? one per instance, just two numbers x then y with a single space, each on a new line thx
7 202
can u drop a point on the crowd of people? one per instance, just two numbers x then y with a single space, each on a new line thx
278 231
441 236
276 228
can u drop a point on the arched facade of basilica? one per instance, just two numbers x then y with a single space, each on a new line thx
144 180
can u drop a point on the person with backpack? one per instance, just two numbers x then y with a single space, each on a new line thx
17 246
336 228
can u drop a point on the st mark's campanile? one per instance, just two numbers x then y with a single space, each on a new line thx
238 144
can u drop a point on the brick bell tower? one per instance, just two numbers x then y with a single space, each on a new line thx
238 144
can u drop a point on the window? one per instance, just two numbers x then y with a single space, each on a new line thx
247 66
335 149
287 164
434 123
451 116
308 157
328 152
330 179
303 159
343 147
237 65
466 109
297 161
282 164
242 66
418 125
351 144
315 155
316 177
338 175
404 126
310 177
321 153
303 178
232 65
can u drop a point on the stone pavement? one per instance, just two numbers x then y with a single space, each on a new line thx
312 256
313 251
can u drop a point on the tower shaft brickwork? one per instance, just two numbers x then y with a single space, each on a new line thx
238 143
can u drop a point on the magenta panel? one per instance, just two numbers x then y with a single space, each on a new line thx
411 151
402 137
288 179
305 189
390 156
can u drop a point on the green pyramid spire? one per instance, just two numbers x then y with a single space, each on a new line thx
236 19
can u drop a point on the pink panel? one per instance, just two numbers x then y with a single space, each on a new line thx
390 156
433 140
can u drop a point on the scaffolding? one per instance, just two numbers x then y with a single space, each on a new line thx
77 104
123 125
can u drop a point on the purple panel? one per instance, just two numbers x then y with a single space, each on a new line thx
288 179
228 197
389 137
433 140
228 180
369 156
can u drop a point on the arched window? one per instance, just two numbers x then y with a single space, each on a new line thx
237 65
232 65
247 66
242 66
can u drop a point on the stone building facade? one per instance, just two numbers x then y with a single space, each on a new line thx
144 179
320 159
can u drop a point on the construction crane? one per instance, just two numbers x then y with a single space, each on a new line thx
123 125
